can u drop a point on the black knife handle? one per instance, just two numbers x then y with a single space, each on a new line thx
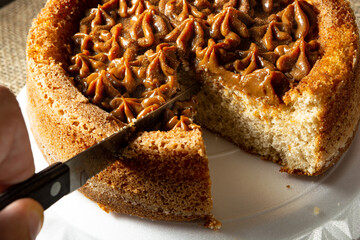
46 187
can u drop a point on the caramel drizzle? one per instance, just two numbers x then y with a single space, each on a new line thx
128 52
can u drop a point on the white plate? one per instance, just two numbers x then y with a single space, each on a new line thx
252 199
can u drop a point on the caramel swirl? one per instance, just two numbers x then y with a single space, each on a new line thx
270 36
295 61
84 63
252 60
125 109
230 24
98 19
162 67
128 54
295 20
189 34
148 28
126 9
124 74
179 10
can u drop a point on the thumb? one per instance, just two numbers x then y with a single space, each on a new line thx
22 219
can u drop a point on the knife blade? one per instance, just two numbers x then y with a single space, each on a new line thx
59 179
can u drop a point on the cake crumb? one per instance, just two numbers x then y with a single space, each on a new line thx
104 208
316 211
212 223
288 186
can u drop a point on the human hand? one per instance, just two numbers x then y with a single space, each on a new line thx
23 218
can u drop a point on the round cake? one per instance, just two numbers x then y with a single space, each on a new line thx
279 79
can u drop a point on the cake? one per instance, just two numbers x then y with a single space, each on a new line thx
279 79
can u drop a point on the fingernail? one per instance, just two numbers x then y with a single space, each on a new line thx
35 221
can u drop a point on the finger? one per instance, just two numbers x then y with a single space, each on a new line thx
16 161
22 219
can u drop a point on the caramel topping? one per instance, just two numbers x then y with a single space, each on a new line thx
180 115
273 36
84 63
266 84
252 60
189 34
179 10
128 54
295 60
99 85
148 28
125 109
295 20
230 25
126 10
124 74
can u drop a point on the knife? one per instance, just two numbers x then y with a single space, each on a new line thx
59 179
